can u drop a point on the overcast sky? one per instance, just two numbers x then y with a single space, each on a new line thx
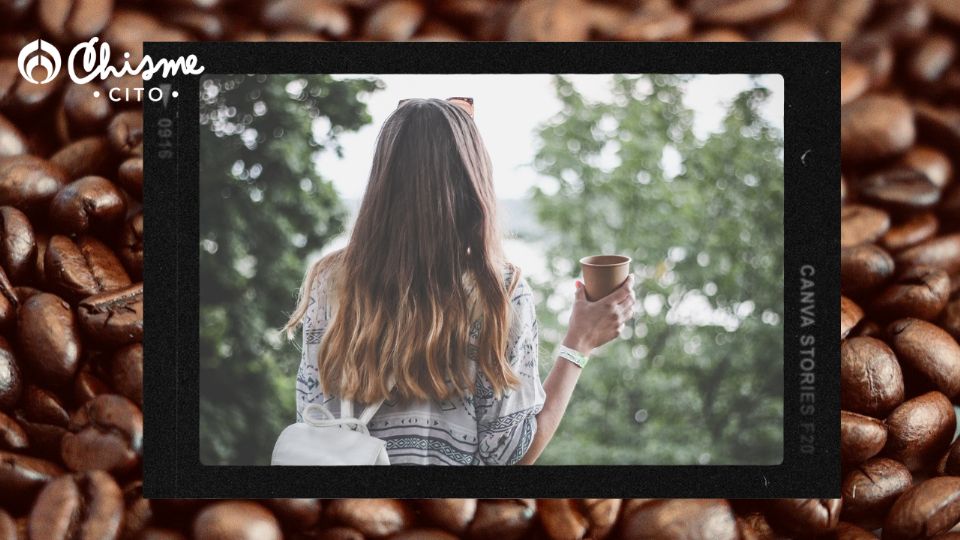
508 110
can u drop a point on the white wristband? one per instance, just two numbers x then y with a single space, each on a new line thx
572 355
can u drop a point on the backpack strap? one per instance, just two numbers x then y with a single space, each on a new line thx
346 406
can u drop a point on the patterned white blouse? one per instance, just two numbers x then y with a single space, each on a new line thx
475 430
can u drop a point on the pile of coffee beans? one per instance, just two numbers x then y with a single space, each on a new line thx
71 265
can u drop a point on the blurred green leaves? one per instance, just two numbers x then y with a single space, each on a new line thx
699 377
263 212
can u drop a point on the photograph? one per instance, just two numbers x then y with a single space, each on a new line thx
491 269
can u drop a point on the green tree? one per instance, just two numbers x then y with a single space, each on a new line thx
263 211
699 376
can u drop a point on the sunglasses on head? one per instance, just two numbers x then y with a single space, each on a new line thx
465 103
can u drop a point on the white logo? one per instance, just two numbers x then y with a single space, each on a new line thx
42 54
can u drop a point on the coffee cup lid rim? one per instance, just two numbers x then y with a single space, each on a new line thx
624 258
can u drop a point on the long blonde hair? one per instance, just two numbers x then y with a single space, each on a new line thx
426 225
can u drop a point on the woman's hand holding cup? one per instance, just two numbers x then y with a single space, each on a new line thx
594 323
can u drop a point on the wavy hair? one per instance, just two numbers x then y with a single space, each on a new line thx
423 271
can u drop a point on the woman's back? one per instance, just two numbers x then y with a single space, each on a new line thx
473 429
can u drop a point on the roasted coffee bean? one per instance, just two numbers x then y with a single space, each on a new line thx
84 506
125 132
11 383
871 382
423 534
87 386
28 183
236 520
931 162
8 527
680 518
113 318
12 142
130 177
395 20
294 514
74 20
324 18
930 357
919 430
372 517
8 302
82 268
910 232
931 58
805 517
84 112
875 127
941 252
870 489
22 477
901 191
919 292
950 464
864 268
92 202
84 157
453 515
849 531
502 519
735 11
939 126
861 437
850 316
131 246
12 436
49 339
928 508
105 433
18 246
126 372
862 224
44 407
548 20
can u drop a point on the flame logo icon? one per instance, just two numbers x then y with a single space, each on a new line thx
39 53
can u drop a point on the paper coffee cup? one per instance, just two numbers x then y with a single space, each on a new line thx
602 274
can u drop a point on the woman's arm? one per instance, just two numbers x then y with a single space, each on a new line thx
591 324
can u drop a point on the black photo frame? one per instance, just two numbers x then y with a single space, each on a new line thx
811 462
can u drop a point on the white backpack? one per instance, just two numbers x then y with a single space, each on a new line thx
323 439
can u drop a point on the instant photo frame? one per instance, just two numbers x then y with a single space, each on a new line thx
811 457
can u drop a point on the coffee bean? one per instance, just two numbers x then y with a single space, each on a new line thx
861 437
900 191
130 177
125 132
113 318
854 80
11 384
126 372
680 518
504 519
8 527
18 246
942 252
236 520
862 224
12 142
735 11
92 202
29 183
155 533
48 338
131 246
875 127
453 515
325 18
864 268
372 517
930 357
87 386
295 514
931 58
105 433
561 519
919 430
548 20
939 126
22 477
85 506
928 508
655 23
74 20
423 534
870 379
804 517
83 268
85 113
42 406
84 157
929 161
395 20
849 531
912 231
850 316
950 319
870 489
920 292
12 436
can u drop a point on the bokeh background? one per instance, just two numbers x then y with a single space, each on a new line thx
682 173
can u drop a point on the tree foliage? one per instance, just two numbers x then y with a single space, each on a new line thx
699 376
263 211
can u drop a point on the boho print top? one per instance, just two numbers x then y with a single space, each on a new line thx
475 430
